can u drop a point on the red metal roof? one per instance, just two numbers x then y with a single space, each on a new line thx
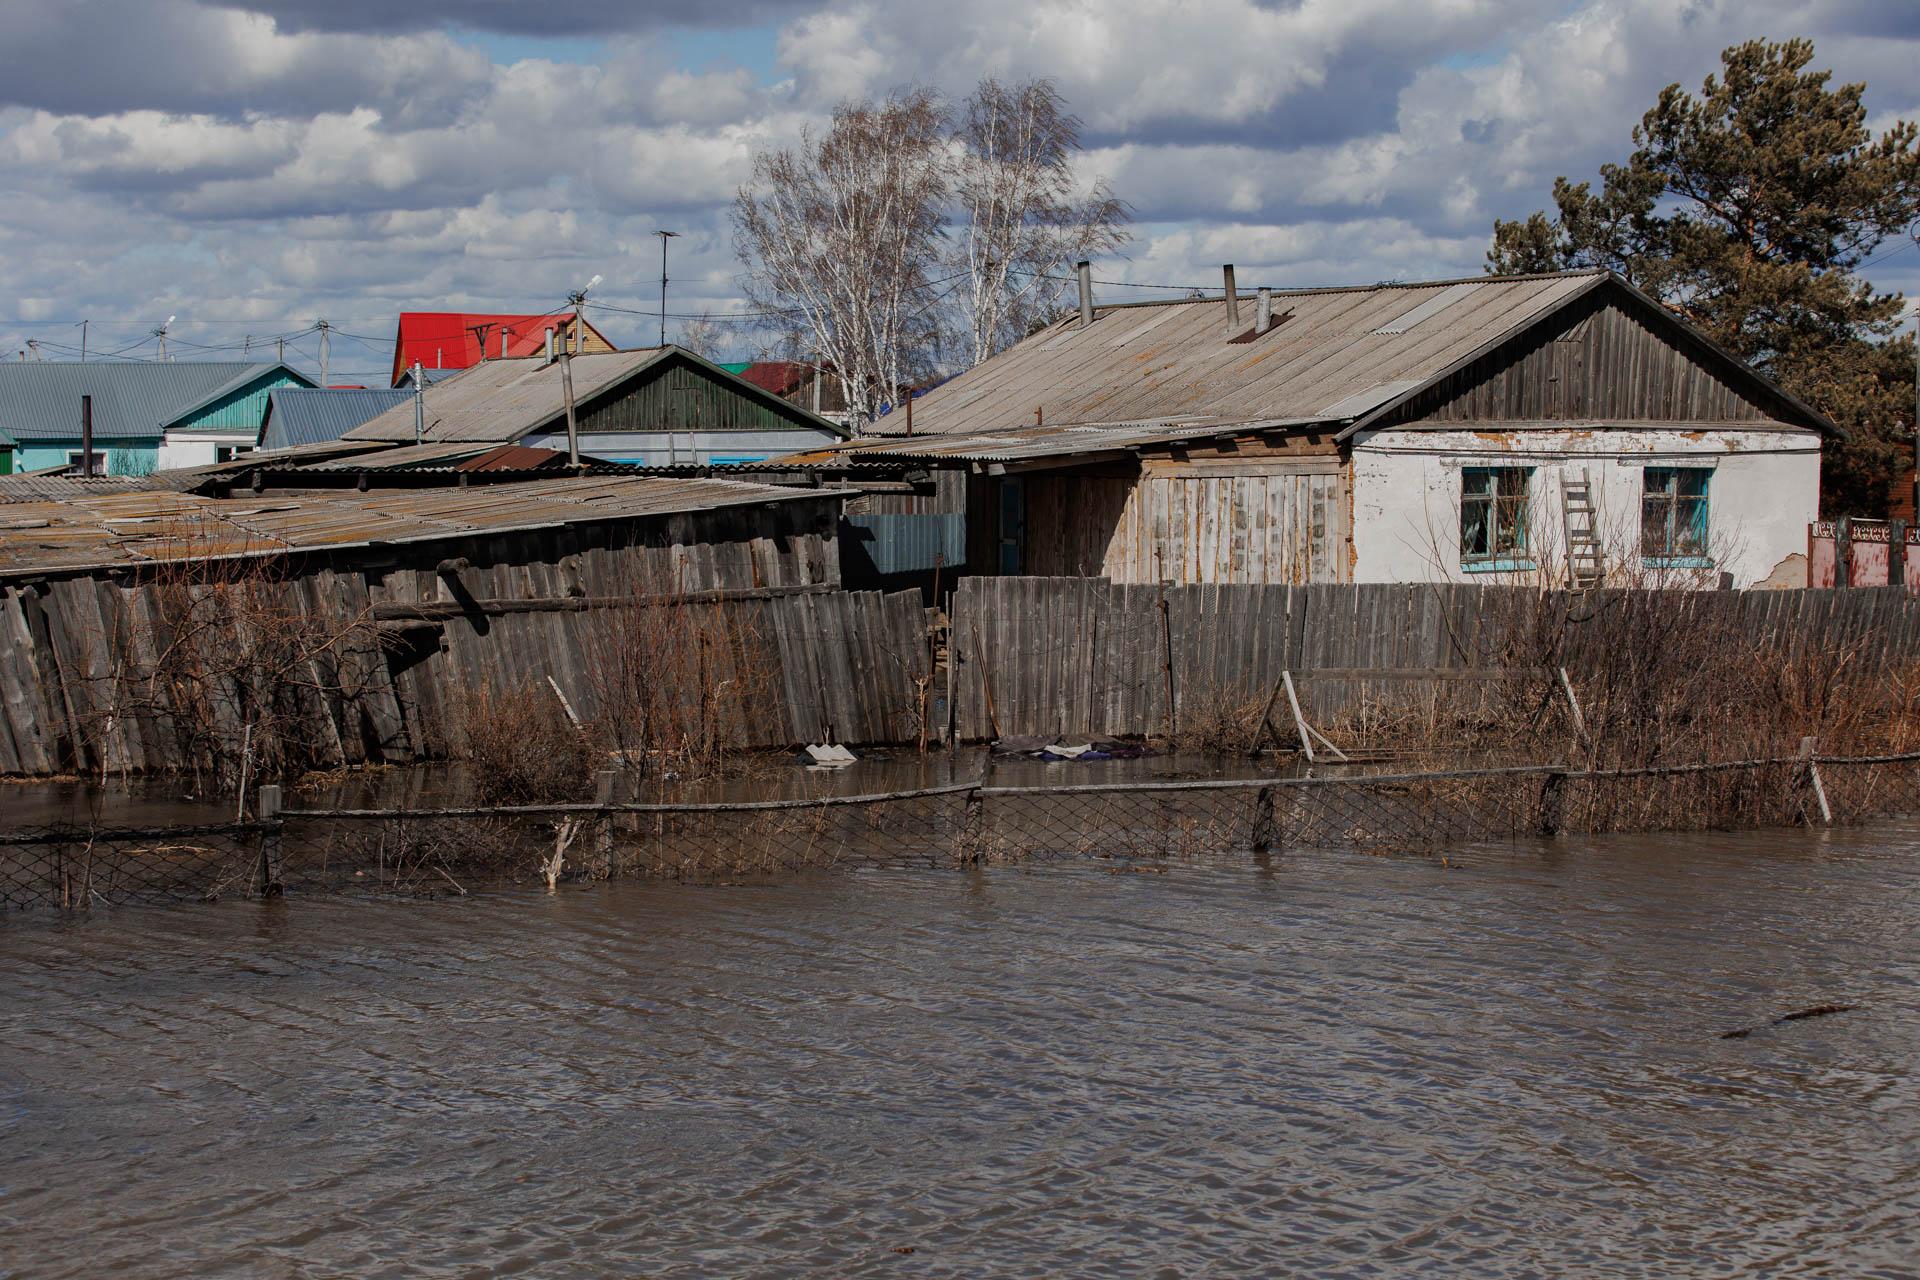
777 376
451 339
513 457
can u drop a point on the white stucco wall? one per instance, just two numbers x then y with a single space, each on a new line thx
1764 490
199 448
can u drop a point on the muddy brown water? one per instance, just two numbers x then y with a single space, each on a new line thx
1506 1064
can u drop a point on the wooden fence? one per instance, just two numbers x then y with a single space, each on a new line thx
1084 655
77 655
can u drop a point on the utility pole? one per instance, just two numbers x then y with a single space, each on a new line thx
161 333
323 327
83 340
664 237
579 303
573 429
283 351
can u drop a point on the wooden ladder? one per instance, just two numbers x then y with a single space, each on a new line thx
1584 566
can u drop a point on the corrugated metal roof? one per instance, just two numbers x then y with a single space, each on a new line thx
42 488
105 530
40 400
1034 443
297 416
447 340
1143 362
502 400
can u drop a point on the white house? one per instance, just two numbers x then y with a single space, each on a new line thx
1529 428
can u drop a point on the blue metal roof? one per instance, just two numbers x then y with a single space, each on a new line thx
296 416
40 400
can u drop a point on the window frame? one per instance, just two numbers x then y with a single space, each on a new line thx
1674 555
75 458
1508 519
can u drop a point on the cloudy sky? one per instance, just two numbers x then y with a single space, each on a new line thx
249 165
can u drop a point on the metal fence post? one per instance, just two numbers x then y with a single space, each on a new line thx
603 787
267 811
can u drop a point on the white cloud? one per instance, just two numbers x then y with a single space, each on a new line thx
356 158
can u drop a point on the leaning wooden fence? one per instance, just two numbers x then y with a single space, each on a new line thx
83 683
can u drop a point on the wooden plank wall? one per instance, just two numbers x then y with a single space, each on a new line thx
827 663
1081 655
1241 521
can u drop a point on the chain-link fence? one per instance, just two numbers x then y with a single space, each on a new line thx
431 851
82 866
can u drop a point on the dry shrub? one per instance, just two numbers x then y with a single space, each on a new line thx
681 684
228 661
522 748
1222 721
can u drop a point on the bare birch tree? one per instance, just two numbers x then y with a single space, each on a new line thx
1025 214
841 231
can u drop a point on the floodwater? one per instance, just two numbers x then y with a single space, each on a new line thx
1506 1063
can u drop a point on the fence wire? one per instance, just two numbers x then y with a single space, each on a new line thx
454 850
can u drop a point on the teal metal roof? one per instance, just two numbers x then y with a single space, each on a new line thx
40 400
297 416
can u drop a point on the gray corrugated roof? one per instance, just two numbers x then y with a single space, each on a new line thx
298 415
129 528
1032 443
502 400
1328 358
43 488
40 400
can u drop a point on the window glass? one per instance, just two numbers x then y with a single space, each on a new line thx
1493 513
1673 513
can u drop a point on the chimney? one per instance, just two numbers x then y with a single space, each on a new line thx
1233 300
86 436
1263 312
1085 271
549 344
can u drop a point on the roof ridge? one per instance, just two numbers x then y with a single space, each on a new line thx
1381 286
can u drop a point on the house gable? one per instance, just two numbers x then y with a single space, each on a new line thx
686 393
240 410
1611 355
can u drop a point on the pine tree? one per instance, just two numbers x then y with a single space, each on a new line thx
1749 210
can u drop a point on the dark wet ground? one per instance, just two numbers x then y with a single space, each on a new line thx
1504 1064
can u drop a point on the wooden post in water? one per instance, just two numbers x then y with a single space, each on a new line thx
1812 779
272 853
604 783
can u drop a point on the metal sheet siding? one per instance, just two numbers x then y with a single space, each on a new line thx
240 410
911 543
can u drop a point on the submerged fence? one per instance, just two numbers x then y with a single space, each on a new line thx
457 849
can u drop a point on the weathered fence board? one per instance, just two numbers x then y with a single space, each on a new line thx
1080 655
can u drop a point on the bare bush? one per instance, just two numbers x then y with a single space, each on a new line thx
522 748
680 684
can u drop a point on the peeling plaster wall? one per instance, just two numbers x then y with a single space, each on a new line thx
1406 497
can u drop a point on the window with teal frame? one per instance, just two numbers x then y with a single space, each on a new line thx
1673 517
1493 519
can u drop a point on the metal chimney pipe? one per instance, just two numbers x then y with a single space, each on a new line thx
1263 313
1085 271
86 436
549 344
1233 298
419 404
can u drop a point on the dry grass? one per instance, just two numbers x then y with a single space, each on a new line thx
522 749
